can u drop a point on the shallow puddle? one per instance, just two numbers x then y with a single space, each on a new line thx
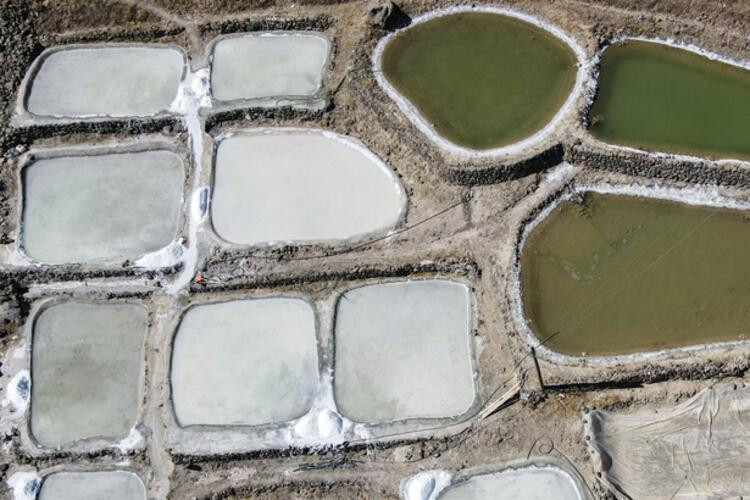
86 372
106 81
621 274
84 208
402 351
110 485
245 362
482 80
655 97
295 185
268 65
527 483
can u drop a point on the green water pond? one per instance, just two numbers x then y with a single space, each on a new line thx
616 274
482 80
660 98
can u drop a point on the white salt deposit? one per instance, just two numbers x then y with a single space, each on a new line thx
527 483
24 485
18 391
245 362
291 185
261 65
425 485
402 351
87 363
109 485
101 207
105 81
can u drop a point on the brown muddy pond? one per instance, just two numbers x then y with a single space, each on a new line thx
617 274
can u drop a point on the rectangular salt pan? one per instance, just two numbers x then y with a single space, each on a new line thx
109 485
86 372
103 207
528 483
245 362
105 81
402 351
268 65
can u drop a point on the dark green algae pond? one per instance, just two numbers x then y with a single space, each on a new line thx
620 274
482 80
656 97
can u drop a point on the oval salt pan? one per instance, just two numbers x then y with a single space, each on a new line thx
117 80
294 185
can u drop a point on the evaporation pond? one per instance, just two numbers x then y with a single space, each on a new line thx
100 207
87 363
294 185
105 81
109 485
402 351
482 80
655 97
245 362
527 483
268 65
620 274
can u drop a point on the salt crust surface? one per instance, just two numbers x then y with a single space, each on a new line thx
300 185
111 80
262 65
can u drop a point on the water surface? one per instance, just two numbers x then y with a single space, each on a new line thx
660 98
620 274
482 80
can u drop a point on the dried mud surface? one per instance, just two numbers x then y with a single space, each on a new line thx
463 221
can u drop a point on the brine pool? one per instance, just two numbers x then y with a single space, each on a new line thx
619 274
656 97
482 80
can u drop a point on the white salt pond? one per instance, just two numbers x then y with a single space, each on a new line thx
107 80
527 483
262 65
87 364
109 485
300 185
402 351
245 362
99 207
